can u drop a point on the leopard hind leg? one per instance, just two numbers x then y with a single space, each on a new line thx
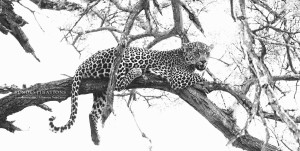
100 110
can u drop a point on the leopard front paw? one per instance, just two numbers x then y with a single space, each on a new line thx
95 138
200 86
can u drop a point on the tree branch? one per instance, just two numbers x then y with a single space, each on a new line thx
58 5
12 23
138 7
60 91
123 8
192 16
263 76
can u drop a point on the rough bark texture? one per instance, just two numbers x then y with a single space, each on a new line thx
121 49
11 23
60 90
58 5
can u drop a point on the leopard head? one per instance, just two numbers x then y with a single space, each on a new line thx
197 53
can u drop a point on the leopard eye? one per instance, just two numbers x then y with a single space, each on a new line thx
187 59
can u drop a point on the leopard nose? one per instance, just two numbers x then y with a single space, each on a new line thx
203 62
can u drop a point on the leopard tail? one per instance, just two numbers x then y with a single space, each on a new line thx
74 97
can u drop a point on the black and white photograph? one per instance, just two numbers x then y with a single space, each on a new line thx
150 75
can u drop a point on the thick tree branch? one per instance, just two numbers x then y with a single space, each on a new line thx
60 90
138 7
58 5
12 23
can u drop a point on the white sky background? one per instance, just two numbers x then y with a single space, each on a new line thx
170 125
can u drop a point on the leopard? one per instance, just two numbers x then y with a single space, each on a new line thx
177 66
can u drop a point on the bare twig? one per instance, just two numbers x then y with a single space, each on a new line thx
137 125
6 89
192 16
123 8
81 16
33 13
287 41
231 10
155 3
44 107
262 74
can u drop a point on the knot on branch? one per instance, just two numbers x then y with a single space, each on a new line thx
241 18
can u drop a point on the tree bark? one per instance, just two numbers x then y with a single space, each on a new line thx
11 23
60 91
